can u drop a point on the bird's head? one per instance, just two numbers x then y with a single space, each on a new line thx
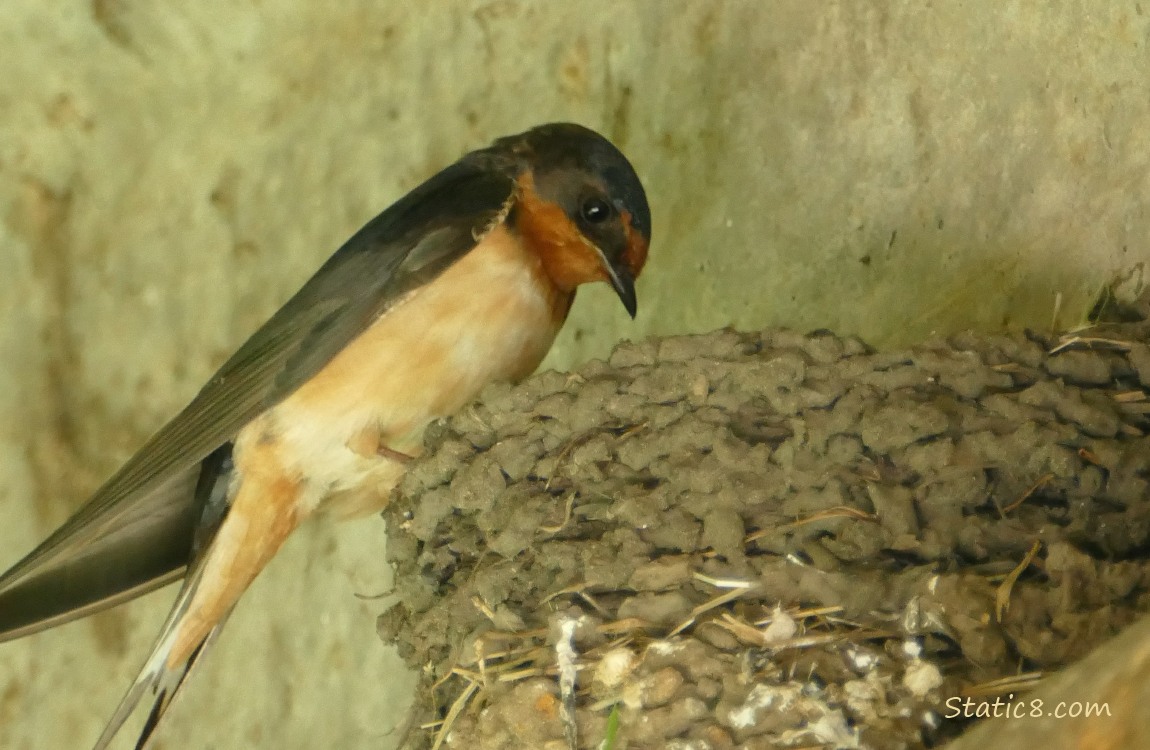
581 205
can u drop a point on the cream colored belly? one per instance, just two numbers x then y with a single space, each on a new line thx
486 318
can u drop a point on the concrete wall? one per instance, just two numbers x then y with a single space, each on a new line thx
169 173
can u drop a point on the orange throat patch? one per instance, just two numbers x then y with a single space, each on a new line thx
567 258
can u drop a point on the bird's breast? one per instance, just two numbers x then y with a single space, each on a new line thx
491 316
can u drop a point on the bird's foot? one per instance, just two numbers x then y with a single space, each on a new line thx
394 455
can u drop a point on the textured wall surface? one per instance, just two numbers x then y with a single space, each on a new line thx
170 173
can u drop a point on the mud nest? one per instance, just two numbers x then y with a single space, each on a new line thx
771 540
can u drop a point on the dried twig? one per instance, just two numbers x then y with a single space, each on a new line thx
1024 681
1002 594
718 601
453 713
1088 342
1029 491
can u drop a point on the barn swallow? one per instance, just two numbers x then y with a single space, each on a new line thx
464 281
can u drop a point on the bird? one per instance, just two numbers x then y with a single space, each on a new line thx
464 281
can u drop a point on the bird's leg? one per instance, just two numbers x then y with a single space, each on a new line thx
369 442
393 454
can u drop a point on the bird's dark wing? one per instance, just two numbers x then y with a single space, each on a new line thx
136 532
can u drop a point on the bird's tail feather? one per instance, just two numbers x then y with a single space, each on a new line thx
157 677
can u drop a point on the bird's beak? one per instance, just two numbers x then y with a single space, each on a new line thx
625 287
622 282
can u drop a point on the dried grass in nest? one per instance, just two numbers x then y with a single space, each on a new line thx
507 657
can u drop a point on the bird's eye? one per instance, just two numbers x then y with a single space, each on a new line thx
595 210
